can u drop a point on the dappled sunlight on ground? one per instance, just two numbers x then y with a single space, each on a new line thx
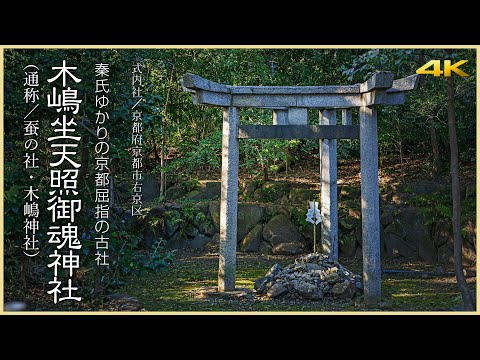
174 289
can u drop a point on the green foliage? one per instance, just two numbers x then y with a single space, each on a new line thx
192 135
438 207
406 129
434 208
298 219
158 258
345 238
206 153
191 214
173 216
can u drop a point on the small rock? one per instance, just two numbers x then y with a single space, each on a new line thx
170 226
308 291
311 277
265 248
309 267
276 290
358 301
287 249
127 215
177 241
359 285
199 241
384 305
211 292
123 302
175 192
332 278
439 270
191 231
344 290
274 270
310 258
261 284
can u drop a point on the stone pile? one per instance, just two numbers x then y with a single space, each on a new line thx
312 277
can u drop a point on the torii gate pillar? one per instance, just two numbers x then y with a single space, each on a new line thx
228 201
290 106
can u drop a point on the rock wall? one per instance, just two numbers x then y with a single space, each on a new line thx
271 220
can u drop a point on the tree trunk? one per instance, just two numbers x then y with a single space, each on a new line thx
155 150
84 157
287 164
457 236
288 160
435 150
421 60
163 182
266 176
431 129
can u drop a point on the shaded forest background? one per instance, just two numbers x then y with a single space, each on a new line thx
189 136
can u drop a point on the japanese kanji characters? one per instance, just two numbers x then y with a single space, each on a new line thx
102 164
31 128
63 202
137 140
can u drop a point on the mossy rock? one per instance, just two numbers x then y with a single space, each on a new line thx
350 207
348 223
251 242
272 210
281 230
199 241
175 192
214 209
190 185
190 231
248 215
293 248
350 192
207 190
265 248
178 241
303 196
247 187
201 207
348 245
395 228
150 188
171 222
271 191
355 213
193 195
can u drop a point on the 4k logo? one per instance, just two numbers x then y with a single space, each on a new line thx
447 68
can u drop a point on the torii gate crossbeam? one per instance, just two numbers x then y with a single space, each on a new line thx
290 106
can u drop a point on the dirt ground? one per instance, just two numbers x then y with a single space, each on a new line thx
175 289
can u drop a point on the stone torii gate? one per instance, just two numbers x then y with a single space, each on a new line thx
290 106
